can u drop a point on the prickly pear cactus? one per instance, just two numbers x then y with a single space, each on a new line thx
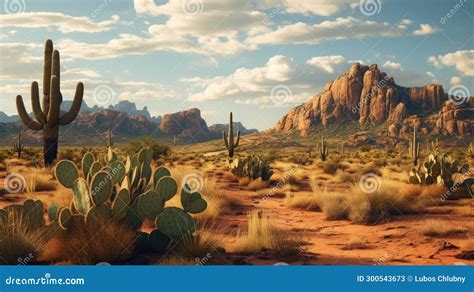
66 173
175 223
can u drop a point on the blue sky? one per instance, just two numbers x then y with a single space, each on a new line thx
255 58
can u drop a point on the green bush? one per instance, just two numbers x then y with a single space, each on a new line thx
159 150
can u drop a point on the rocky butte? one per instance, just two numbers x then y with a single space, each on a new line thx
368 96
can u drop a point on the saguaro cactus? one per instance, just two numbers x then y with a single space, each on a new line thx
414 148
18 146
230 144
110 141
323 150
47 116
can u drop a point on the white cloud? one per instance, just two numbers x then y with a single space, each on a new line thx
392 65
63 23
326 62
20 61
463 61
253 86
317 7
425 29
341 28
455 80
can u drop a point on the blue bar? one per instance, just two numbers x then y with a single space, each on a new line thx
239 278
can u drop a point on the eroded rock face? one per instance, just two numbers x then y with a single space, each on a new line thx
369 96
188 120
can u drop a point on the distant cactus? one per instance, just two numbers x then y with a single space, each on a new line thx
48 116
229 140
110 141
437 169
18 146
129 192
253 167
323 150
414 148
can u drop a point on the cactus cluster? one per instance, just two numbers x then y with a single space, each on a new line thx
437 169
48 116
18 146
323 150
414 148
229 142
31 213
252 167
129 192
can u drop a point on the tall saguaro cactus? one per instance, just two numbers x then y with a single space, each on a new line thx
323 150
414 148
110 141
18 146
47 116
229 140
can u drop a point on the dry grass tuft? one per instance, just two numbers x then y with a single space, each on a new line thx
19 241
441 228
39 180
263 233
84 245
307 201
257 185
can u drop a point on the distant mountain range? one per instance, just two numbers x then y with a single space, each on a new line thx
126 122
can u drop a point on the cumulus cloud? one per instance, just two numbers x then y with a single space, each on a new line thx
340 28
392 65
425 29
62 22
463 61
19 61
455 80
317 7
254 85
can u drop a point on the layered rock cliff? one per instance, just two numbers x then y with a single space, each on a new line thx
368 96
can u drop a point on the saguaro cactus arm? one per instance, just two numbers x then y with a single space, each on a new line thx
225 140
75 107
35 104
25 118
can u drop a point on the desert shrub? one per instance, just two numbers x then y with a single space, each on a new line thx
441 228
216 198
342 176
307 201
198 245
331 166
20 240
135 145
257 185
37 180
300 159
364 148
112 242
263 233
